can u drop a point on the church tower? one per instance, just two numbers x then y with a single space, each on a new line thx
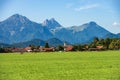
65 45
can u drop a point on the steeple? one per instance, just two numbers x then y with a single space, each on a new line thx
65 45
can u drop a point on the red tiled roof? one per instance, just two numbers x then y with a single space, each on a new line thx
69 48
28 48
99 47
18 50
48 49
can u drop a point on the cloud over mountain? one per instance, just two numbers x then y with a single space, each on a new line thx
116 24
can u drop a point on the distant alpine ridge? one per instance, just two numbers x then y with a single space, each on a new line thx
18 28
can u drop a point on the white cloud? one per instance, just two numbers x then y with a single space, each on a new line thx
116 24
86 7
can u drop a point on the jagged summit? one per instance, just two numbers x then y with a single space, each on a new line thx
51 23
52 20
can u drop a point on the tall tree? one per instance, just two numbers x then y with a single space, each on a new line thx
96 39
60 48
107 42
46 45
75 47
80 47
101 42
94 43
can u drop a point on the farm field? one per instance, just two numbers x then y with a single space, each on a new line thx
103 65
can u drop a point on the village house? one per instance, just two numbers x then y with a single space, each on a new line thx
98 48
18 50
28 49
47 49
67 47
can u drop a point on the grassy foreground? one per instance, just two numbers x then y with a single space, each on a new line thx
61 66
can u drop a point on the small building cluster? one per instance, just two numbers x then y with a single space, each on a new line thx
39 49
98 48
96 45
65 48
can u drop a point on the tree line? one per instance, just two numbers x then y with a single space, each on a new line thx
107 44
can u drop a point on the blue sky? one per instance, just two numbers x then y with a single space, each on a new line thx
66 12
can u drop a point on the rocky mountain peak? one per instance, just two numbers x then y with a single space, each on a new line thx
51 23
18 18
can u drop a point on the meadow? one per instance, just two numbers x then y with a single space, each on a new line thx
103 65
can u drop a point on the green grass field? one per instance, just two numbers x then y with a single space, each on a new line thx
61 66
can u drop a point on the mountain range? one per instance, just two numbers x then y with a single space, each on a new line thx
18 28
